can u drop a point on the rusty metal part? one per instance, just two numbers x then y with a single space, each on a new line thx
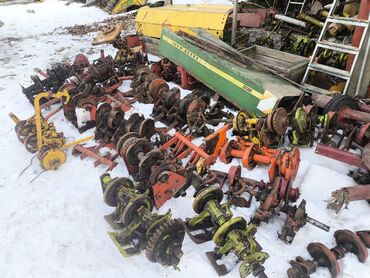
342 197
361 161
347 241
140 228
93 152
281 162
238 185
184 147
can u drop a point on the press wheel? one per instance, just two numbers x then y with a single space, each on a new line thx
324 257
219 238
51 159
147 128
280 121
132 207
352 243
210 193
240 121
124 140
111 191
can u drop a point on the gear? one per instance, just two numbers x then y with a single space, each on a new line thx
125 141
280 121
103 110
164 245
154 157
135 148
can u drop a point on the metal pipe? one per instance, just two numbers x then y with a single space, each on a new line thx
235 23
311 20
341 155
352 114
291 20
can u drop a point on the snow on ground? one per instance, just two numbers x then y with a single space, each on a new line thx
54 226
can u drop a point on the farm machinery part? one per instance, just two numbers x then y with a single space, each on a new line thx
111 124
192 113
110 127
362 161
130 53
40 136
282 162
94 152
238 185
296 219
303 126
163 176
347 242
303 116
147 87
170 72
274 197
159 235
231 235
342 197
201 157
266 130
348 115
99 83
54 77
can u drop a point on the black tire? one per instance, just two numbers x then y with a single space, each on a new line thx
338 102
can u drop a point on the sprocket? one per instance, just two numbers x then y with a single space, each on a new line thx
164 245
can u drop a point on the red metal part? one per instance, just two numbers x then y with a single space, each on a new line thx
365 237
345 195
253 17
187 81
184 147
363 14
133 41
52 113
165 190
341 155
351 114
324 257
281 162
93 153
120 101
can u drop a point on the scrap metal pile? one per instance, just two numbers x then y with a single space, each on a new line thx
177 160
164 166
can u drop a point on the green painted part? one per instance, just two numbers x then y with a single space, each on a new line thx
247 87
228 90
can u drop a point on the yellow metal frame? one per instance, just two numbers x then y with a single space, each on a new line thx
59 94
123 5
212 18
